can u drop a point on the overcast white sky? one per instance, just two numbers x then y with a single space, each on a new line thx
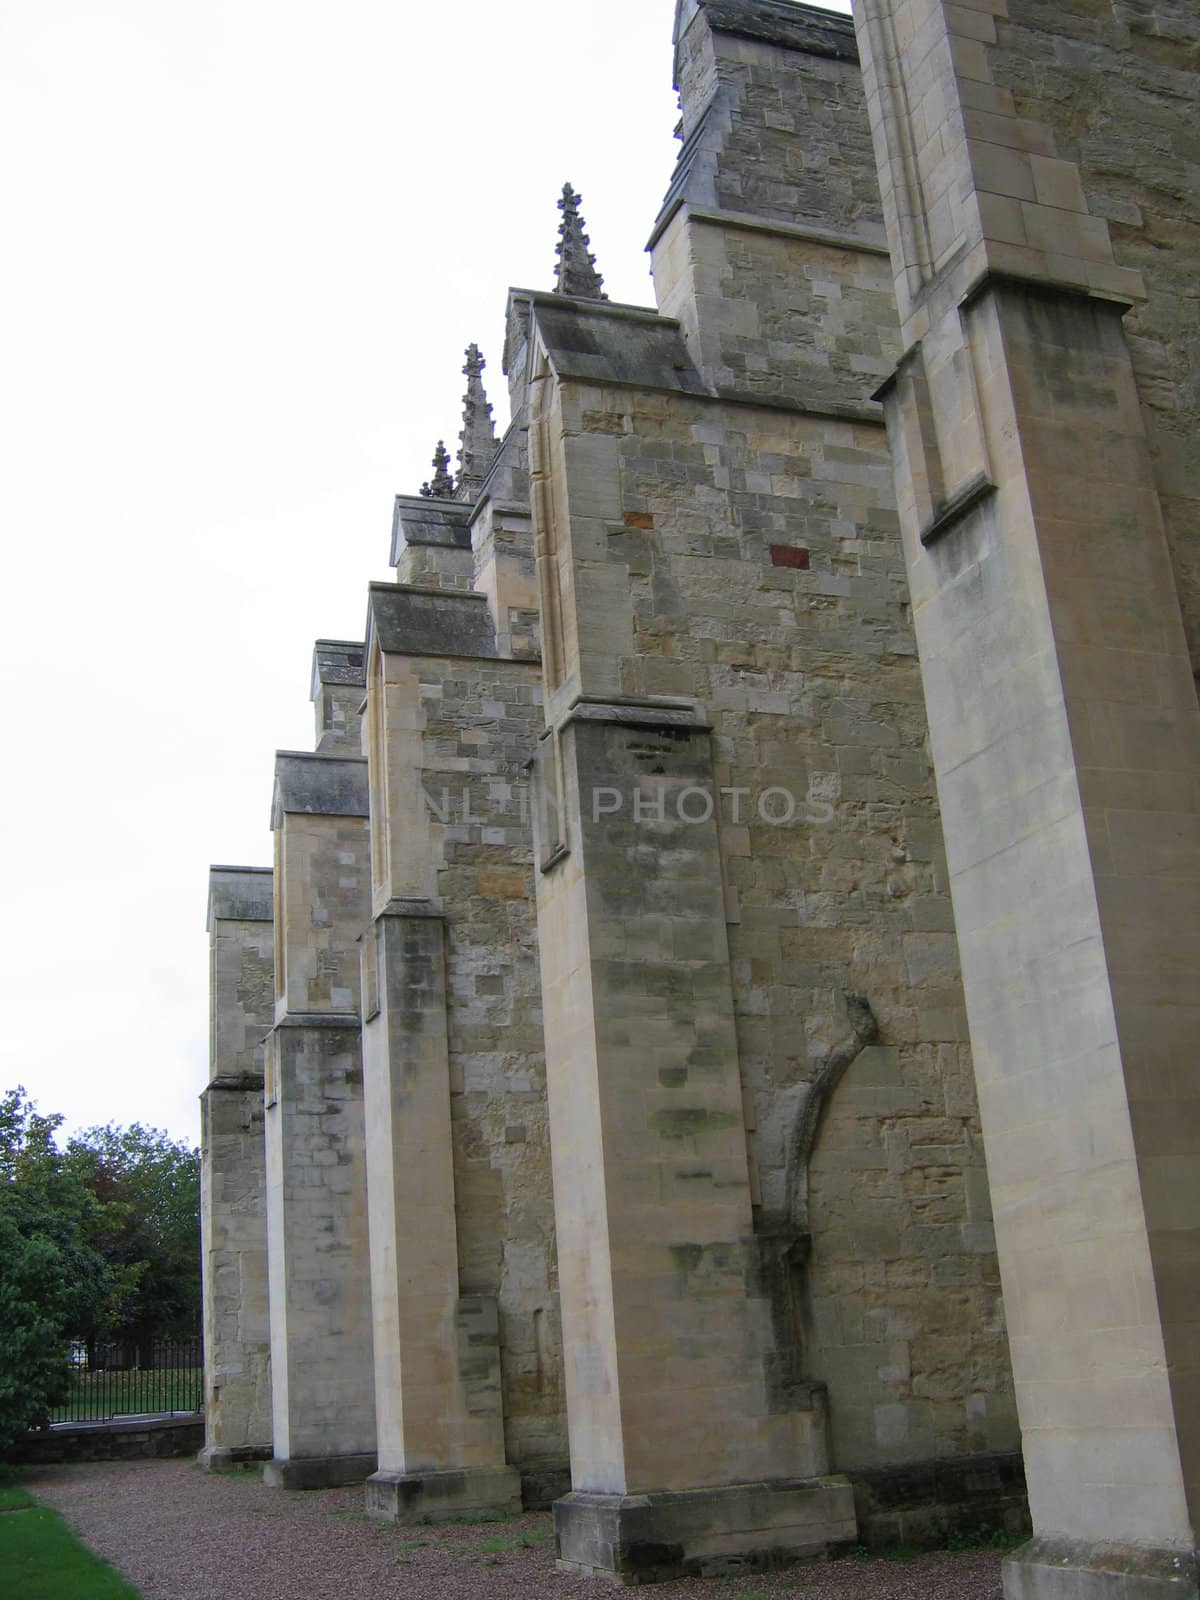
243 245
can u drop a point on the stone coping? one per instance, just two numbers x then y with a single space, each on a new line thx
240 894
313 784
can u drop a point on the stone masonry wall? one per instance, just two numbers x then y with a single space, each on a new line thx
241 990
757 569
776 169
323 870
1118 84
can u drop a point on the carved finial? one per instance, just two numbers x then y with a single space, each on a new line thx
441 485
577 273
477 441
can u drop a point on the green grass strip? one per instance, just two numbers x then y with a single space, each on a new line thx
13 1497
41 1559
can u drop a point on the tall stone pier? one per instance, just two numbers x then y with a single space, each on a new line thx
460 1201
1066 740
321 1346
233 1212
774 1308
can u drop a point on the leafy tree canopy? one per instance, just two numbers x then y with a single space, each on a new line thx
147 1187
99 1240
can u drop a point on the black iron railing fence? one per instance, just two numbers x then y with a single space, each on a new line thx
116 1380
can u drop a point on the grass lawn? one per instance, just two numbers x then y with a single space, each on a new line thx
41 1559
12 1496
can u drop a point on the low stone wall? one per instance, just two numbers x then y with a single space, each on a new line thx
130 1440
921 1504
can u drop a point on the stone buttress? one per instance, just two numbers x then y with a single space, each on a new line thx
319 1266
1037 419
778 1280
233 1208
467 1346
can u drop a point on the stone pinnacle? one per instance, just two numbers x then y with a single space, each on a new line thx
477 441
577 275
441 485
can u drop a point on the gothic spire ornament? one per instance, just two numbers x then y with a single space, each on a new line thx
577 275
477 441
441 485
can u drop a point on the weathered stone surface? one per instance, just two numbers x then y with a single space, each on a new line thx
444 1496
652 1538
429 622
318 1472
777 1230
233 1226
924 1503
448 739
1063 718
576 273
477 441
239 894
318 785
1059 1569
321 1347
233 1223
337 693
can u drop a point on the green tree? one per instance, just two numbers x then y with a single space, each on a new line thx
147 1190
53 1279
100 1240
34 1298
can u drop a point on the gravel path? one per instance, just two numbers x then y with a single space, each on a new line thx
182 1534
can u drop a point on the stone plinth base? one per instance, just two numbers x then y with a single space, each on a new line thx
437 1496
318 1472
215 1459
649 1538
1062 1569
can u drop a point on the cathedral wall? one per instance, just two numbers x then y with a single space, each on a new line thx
749 559
1117 83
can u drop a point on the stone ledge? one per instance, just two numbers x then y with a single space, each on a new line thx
635 714
960 504
317 1020
750 222
438 1496
652 1538
1067 1569
318 1472
398 906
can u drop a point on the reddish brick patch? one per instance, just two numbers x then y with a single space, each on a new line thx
638 519
789 555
